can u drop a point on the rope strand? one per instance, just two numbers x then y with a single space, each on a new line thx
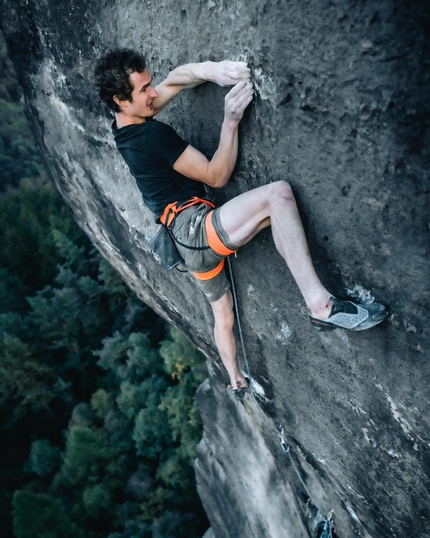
239 325
327 529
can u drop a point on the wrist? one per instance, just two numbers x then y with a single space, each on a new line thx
230 124
208 71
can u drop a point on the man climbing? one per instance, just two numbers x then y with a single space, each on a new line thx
171 175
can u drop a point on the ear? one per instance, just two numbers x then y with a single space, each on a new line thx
120 103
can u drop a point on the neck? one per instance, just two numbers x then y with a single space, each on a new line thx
122 120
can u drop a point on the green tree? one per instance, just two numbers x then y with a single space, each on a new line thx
33 220
44 458
21 377
97 399
36 515
186 365
19 157
88 451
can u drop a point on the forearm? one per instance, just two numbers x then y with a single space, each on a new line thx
222 164
189 75
216 172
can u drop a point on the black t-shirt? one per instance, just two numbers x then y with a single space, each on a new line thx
151 149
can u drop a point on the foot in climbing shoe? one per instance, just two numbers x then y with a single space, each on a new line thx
348 315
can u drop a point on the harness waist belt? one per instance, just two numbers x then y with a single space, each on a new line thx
171 210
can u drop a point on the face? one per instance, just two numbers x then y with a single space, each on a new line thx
143 95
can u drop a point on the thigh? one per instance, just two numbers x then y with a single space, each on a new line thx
215 288
245 215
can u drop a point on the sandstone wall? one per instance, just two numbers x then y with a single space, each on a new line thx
342 113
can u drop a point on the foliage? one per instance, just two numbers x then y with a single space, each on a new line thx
35 229
19 157
37 514
77 346
44 458
96 394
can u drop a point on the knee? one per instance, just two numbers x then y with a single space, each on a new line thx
281 190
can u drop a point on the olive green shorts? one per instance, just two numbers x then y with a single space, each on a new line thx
190 229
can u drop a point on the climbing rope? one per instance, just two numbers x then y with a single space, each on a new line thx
239 325
287 449
324 528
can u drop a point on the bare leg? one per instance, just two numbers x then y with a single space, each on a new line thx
224 338
242 218
274 204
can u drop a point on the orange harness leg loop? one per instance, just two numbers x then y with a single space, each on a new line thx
213 239
212 273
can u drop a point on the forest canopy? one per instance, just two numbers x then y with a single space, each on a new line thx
96 391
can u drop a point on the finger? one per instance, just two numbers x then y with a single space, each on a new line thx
235 69
243 98
231 79
245 94
240 74
236 64
239 89
241 102
244 77
235 90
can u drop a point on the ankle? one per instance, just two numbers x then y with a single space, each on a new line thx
322 309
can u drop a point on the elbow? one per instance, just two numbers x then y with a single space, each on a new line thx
223 183
218 184
218 181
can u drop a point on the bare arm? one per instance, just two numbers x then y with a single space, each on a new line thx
188 76
217 171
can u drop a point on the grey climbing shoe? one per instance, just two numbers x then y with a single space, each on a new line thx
348 315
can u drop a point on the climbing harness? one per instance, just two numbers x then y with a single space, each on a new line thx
167 220
171 210
325 529
163 243
212 273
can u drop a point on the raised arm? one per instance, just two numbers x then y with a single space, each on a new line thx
188 76
218 170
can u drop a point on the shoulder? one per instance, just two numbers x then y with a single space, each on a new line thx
162 132
157 126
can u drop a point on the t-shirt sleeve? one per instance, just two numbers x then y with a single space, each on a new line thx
167 144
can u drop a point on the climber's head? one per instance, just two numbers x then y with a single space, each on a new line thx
112 76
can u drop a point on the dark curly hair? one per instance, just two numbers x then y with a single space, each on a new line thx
112 75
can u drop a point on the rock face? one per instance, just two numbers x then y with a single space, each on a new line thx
342 113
